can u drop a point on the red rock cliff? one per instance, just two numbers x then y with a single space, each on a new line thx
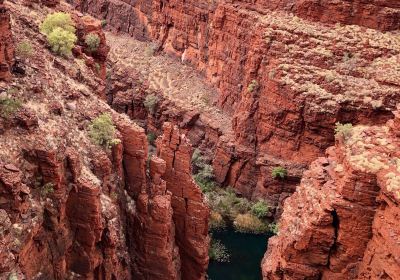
341 223
6 43
70 208
190 212
286 80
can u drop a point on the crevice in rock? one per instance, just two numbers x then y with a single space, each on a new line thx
336 226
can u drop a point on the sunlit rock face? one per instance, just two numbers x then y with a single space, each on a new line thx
341 221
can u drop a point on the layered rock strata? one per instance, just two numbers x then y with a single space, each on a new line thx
286 80
190 211
70 209
341 223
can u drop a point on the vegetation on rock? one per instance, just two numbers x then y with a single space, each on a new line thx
9 106
102 131
24 49
254 85
343 130
60 31
279 172
151 138
260 209
92 40
150 103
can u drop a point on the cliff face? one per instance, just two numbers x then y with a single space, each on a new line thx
341 221
283 81
72 209
6 45
190 212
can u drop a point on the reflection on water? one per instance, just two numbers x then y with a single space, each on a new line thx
246 252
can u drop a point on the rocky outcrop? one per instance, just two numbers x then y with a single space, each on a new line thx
6 45
340 222
95 59
190 211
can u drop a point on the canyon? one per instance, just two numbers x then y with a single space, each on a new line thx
253 85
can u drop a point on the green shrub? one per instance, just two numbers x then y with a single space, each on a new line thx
24 49
151 138
103 23
47 189
197 159
102 131
273 228
218 251
249 224
253 86
150 102
230 205
279 173
61 41
59 19
260 209
92 40
343 130
60 31
205 178
9 106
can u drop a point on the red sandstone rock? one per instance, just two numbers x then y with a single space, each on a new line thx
6 44
88 25
340 223
190 212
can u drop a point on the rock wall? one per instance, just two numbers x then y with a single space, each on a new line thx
341 221
306 76
6 45
190 211
70 208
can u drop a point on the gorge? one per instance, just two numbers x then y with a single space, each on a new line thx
307 88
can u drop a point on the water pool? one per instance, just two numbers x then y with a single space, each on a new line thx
246 252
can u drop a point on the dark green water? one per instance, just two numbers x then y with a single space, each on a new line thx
246 252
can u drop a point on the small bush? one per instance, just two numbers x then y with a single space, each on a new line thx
47 189
253 86
103 23
9 106
24 49
57 20
151 138
150 102
216 221
92 40
260 209
205 178
102 131
249 224
343 130
60 31
230 205
198 159
279 173
218 251
61 41
273 228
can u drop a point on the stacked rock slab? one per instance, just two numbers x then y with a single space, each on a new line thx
341 221
190 212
